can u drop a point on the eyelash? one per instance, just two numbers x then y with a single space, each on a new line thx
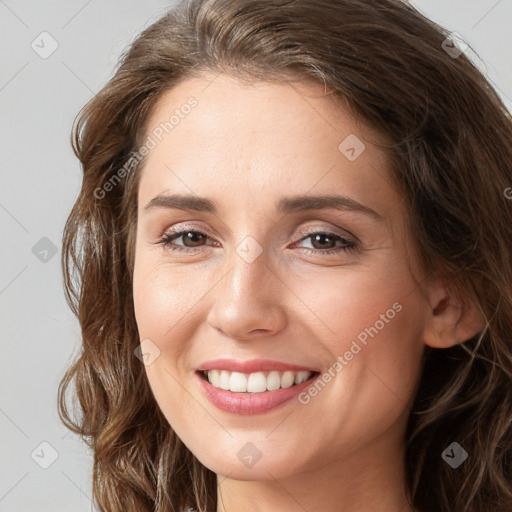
167 239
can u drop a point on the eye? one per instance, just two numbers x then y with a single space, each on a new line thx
191 238
323 242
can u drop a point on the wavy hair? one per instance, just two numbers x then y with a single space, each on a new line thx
451 148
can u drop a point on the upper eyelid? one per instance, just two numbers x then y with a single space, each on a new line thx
302 233
338 222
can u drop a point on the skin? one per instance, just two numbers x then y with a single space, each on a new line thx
245 147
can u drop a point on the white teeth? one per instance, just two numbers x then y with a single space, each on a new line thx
287 380
302 377
238 382
256 382
224 380
214 378
273 381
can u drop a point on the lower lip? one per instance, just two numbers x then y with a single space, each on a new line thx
250 403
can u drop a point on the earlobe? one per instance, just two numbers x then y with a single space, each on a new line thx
452 320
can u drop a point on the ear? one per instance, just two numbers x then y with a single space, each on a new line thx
452 319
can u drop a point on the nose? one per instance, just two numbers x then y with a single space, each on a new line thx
247 302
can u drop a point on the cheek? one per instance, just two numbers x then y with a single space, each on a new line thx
161 304
352 303
375 335
165 296
168 302
374 320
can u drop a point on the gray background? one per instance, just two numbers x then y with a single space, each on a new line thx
40 179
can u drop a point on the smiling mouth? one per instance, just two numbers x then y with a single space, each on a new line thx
255 382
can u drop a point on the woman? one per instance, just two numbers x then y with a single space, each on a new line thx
290 260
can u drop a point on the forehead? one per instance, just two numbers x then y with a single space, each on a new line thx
216 135
291 111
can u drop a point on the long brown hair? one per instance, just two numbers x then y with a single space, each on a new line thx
452 153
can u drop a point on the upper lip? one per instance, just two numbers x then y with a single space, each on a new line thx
250 366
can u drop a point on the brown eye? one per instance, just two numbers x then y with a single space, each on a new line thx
323 241
191 239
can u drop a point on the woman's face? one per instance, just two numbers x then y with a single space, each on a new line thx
265 281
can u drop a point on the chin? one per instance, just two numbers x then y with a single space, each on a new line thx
250 462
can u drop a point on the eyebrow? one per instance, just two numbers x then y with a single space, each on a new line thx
285 205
